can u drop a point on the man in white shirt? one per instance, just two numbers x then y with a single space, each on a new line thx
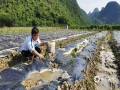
30 47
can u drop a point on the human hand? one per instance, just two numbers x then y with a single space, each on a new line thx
41 57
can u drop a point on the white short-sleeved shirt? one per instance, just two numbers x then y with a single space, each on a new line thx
30 44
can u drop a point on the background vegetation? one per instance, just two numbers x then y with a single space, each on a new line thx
42 13
102 27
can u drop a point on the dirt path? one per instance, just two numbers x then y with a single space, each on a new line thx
106 78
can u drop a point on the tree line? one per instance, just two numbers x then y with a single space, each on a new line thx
102 27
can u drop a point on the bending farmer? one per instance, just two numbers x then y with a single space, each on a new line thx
30 47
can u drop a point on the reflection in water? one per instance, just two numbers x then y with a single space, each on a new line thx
45 76
36 78
103 85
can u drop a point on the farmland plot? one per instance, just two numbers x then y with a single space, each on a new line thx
14 41
68 69
107 75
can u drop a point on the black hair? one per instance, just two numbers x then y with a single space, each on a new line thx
35 30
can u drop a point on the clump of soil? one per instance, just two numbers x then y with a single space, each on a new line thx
53 64
67 86
29 83
11 60
3 63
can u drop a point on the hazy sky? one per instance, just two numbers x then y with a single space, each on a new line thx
90 5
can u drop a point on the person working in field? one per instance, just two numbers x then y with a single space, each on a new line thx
30 47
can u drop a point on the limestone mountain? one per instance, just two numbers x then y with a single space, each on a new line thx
89 13
110 14
94 16
42 13
94 13
96 10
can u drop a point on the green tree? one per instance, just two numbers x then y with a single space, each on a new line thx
62 20
6 19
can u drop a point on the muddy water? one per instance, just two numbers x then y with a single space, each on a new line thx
107 69
41 77
104 86
45 76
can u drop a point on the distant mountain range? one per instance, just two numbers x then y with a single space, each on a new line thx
93 14
108 15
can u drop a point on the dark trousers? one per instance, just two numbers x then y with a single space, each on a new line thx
27 53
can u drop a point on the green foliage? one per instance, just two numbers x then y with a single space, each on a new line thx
44 13
5 19
47 55
61 45
73 54
71 61
62 20
96 21
75 49
103 27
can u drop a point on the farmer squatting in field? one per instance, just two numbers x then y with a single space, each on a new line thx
30 47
